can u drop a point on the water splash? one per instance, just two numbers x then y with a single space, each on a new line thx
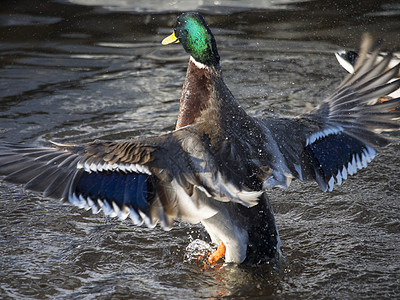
198 251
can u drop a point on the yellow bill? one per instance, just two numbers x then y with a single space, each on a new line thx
170 39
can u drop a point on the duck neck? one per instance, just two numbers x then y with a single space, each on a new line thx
197 92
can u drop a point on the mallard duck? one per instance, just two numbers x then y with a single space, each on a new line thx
218 164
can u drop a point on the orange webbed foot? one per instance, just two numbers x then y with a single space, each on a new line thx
217 254
384 99
387 98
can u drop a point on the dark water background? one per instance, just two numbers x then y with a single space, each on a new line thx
73 73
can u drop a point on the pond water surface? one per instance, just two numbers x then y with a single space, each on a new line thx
73 73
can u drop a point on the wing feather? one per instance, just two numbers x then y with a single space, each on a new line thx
344 132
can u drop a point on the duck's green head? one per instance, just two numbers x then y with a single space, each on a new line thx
197 39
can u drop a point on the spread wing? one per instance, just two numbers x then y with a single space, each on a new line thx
148 179
342 134
118 178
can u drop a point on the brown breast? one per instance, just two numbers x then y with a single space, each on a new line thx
195 94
